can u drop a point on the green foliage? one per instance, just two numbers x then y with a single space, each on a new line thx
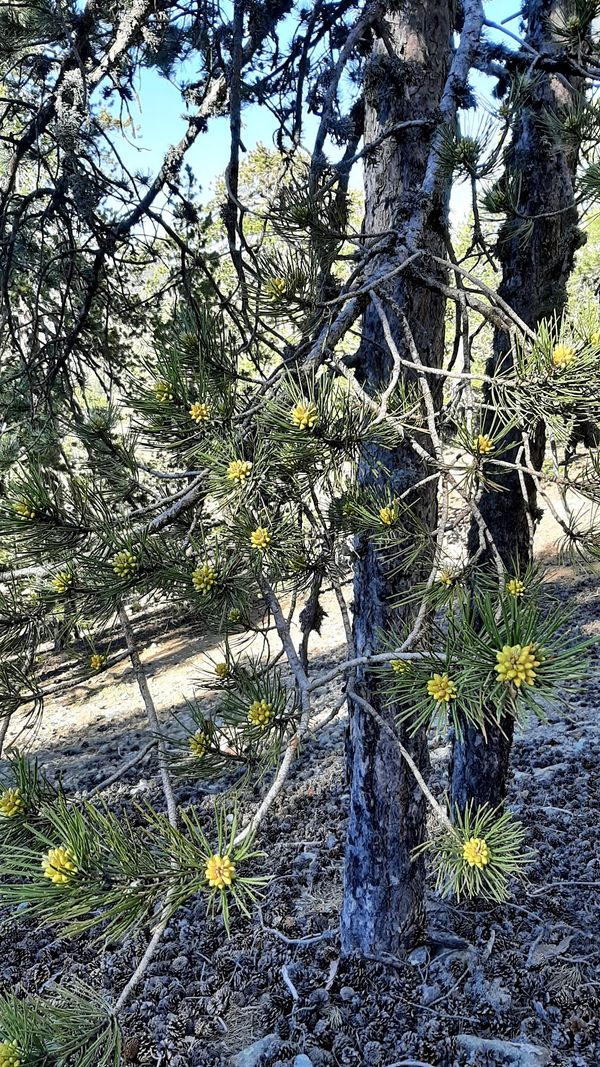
558 379
18 689
254 715
24 792
27 26
571 24
69 1025
494 842
477 628
257 703
575 125
163 443
85 867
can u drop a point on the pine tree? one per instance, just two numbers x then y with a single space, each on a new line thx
383 907
536 248
244 439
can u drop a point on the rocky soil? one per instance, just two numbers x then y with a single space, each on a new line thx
512 985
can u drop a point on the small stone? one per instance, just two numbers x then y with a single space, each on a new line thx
303 1061
252 1056
419 956
305 857
142 787
540 1011
319 997
498 996
516 1053
429 993
347 992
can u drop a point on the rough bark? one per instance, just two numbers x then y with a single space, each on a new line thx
535 274
383 886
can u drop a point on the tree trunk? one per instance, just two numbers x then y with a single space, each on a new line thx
383 908
535 273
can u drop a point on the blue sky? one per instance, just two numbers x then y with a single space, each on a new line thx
158 115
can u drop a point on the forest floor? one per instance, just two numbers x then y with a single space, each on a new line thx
517 984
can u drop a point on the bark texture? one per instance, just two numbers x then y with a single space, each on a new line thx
382 909
535 273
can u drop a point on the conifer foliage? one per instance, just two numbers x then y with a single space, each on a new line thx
191 419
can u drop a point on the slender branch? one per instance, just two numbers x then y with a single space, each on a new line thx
294 742
371 12
473 20
359 661
151 947
4 725
142 681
